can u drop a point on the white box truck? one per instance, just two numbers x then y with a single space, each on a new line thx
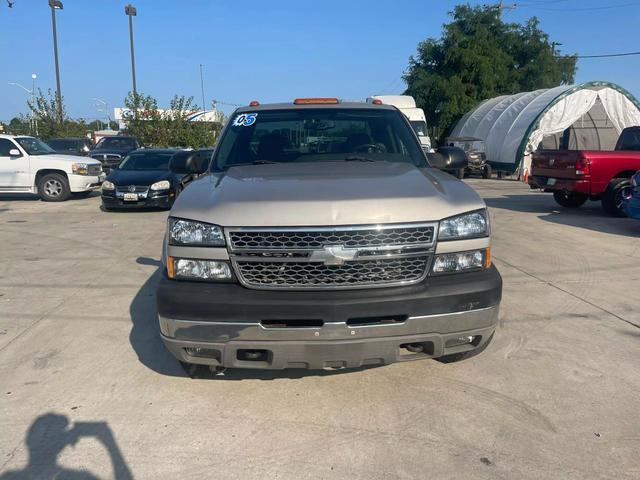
407 105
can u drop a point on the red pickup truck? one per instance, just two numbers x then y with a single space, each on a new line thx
575 176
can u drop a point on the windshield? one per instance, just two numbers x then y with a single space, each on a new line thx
317 135
118 143
419 127
146 161
34 146
62 144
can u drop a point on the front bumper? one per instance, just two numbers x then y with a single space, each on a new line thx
352 328
155 201
85 183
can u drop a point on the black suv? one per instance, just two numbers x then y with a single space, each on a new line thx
71 145
111 150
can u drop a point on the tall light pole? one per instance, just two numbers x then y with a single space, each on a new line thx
204 108
56 5
131 12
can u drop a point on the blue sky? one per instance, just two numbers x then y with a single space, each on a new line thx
269 50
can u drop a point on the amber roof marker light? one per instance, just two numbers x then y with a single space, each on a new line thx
254 103
316 101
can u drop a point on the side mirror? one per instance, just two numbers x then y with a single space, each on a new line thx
188 162
449 158
14 152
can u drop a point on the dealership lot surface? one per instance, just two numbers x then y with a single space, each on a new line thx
87 384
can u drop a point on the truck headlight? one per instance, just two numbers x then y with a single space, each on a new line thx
190 269
107 185
80 169
162 185
462 261
197 234
469 225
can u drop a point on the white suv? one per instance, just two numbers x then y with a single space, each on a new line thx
28 165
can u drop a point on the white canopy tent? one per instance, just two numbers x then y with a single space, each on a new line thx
588 116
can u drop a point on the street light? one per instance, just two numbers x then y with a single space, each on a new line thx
106 111
131 11
56 5
32 92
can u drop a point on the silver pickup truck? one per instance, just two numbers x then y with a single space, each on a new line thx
321 237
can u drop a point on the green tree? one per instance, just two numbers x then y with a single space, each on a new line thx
480 56
19 126
44 109
171 127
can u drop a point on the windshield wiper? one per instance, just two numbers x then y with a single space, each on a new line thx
255 162
263 162
357 158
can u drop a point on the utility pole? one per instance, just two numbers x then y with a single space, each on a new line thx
56 5
501 6
204 107
131 12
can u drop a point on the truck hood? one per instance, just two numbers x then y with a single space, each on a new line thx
325 193
63 160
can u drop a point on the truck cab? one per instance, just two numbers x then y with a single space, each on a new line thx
28 165
321 237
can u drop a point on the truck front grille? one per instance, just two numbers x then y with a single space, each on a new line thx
352 274
300 239
327 258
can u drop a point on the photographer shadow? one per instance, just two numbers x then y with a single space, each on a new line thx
50 434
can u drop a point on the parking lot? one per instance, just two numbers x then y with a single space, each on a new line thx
88 386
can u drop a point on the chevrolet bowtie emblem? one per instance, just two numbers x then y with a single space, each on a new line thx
333 255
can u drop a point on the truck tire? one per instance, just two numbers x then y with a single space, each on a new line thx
570 200
54 187
460 173
612 196
486 171
458 357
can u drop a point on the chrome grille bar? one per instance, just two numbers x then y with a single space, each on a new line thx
359 256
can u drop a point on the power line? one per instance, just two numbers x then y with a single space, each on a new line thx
606 55
607 7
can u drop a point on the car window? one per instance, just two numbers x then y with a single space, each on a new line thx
146 161
5 147
419 127
35 146
308 135
629 140
63 144
117 142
